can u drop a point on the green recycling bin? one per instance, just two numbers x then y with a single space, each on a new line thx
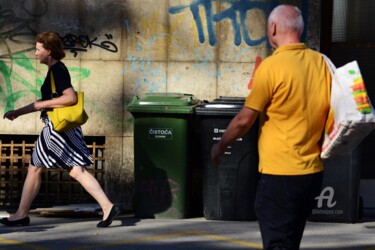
163 157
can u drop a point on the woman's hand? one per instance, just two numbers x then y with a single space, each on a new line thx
11 115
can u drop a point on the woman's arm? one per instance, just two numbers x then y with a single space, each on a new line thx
69 97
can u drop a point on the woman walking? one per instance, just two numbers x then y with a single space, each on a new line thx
66 150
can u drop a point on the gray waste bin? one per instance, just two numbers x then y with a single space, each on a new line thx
228 189
339 199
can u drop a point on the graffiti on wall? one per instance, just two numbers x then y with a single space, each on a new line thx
81 43
18 29
236 13
239 27
142 51
16 68
15 30
13 78
142 64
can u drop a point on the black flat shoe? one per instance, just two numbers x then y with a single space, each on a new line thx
13 223
115 211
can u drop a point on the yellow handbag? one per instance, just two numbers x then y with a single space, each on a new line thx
66 118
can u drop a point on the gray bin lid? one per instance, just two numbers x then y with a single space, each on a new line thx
223 106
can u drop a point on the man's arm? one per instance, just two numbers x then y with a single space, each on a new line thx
237 128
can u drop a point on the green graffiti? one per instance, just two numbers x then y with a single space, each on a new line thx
11 78
78 74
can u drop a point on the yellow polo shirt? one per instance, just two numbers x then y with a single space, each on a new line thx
291 89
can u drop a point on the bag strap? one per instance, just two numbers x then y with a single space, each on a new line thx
333 69
53 87
331 66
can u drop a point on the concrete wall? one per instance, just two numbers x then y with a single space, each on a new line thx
119 49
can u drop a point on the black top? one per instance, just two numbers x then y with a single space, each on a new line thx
62 81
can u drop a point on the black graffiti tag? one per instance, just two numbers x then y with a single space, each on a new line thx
15 30
83 42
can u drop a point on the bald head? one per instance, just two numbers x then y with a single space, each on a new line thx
288 18
284 26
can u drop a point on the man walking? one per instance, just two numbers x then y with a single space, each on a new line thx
291 93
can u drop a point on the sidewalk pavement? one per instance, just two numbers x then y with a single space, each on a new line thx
127 232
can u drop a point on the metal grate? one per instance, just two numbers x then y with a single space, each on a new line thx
57 188
352 21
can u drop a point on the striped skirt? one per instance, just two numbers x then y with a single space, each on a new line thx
60 150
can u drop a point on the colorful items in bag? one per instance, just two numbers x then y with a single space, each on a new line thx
360 97
360 94
351 117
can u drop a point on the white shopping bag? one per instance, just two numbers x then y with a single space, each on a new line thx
351 117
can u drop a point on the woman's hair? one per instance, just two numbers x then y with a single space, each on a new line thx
52 42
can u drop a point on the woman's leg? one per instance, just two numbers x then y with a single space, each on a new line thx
92 186
30 189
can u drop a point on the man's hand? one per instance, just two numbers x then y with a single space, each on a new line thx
216 152
237 128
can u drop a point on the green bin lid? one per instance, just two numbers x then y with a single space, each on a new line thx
177 103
